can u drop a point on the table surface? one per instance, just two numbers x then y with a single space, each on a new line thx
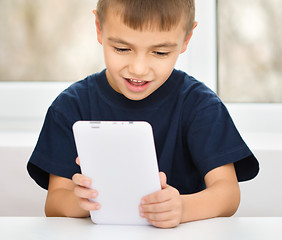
69 228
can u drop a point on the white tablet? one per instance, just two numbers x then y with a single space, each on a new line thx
120 158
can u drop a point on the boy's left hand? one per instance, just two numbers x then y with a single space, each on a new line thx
163 208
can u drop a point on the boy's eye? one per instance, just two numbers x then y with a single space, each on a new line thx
162 54
121 50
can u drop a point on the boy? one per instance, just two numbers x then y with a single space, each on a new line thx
201 155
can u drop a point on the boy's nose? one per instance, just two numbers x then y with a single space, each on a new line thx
139 67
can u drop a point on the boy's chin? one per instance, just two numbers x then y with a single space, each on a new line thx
135 96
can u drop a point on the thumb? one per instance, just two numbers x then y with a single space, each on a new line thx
163 180
77 161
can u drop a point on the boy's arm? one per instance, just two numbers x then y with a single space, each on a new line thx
69 198
167 208
221 198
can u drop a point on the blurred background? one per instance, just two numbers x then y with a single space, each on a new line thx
250 50
55 41
48 40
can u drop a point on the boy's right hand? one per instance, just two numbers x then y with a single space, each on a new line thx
84 193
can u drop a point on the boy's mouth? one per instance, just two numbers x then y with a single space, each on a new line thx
135 85
136 82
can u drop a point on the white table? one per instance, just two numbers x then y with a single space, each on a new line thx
38 228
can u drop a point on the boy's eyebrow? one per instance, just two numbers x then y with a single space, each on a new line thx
117 40
165 44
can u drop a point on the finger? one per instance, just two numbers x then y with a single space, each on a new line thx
159 196
83 192
165 216
77 161
89 205
81 180
156 208
163 179
164 224
171 210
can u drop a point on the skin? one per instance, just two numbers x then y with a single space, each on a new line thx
147 56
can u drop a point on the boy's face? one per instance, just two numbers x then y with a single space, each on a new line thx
138 62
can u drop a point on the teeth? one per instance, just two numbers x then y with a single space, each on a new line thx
137 81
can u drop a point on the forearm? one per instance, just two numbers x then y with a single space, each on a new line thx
219 200
63 203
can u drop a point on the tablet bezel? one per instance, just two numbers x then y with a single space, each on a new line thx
121 160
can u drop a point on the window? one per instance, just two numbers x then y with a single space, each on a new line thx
48 40
44 47
250 63
250 51
66 50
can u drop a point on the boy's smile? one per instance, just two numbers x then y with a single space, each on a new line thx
136 85
139 62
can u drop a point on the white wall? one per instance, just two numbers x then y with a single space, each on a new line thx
262 196
20 196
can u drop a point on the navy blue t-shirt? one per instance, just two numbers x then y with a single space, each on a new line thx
193 130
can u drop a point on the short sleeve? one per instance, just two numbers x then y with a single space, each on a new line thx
55 151
214 141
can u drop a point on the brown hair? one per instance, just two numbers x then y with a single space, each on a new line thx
142 14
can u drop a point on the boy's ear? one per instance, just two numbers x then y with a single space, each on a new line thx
188 38
98 27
